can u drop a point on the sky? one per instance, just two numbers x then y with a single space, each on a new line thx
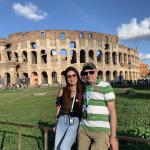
128 19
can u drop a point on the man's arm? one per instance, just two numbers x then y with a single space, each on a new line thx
113 117
113 125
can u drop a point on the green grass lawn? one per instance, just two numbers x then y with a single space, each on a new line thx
36 106
28 106
133 112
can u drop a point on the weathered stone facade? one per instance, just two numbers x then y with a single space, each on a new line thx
143 69
42 56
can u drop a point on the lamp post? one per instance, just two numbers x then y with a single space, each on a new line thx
129 63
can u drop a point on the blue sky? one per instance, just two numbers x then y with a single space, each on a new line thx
129 19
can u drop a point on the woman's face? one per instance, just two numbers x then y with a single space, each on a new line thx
72 77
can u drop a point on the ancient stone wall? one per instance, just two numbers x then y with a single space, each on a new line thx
42 56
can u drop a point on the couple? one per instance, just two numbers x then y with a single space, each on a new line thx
91 106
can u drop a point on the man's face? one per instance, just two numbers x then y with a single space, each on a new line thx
90 75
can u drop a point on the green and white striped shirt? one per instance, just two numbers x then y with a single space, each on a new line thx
95 103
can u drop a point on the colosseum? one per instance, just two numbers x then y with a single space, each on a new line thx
42 56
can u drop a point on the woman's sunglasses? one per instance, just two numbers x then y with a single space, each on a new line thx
88 72
70 76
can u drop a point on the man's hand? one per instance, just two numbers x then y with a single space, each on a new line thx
114 143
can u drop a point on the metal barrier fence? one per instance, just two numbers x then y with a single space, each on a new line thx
20 126
48 129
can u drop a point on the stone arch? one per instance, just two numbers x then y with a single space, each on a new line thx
107 57
120 58
126 75
34 57
91 55
72 44
24 56
33 45
8 46
90 35
34 78
114 58
81 35
63 54
62 36
16 57
26 78
7 78
44 77
43 35
121 73
82 56
99 55
9 55
130 75
121 76
129 59
125 58
73 57
107 47
17 69
132 59
108 76
115 75
100 74
53 54
54 77
43 56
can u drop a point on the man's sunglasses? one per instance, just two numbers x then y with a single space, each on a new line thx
72 75
88 72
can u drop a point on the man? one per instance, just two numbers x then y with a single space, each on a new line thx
98 124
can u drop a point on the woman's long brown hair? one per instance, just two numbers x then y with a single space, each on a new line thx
67 91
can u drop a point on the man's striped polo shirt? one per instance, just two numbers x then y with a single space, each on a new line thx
95 103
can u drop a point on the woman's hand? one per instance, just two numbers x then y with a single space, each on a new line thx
54 128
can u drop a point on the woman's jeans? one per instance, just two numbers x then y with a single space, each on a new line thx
66 133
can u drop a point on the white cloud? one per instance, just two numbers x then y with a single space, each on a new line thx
29 11
144 56
134 31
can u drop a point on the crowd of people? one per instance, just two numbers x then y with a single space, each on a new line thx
86 112
130 83
13 86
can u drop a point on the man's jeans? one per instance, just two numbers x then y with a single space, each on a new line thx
65 135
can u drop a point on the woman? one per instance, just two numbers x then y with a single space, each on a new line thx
69 101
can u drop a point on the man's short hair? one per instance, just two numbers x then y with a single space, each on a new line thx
88 65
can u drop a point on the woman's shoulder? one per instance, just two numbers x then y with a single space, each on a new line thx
60 92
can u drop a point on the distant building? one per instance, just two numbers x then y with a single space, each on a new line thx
144 71
42 56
